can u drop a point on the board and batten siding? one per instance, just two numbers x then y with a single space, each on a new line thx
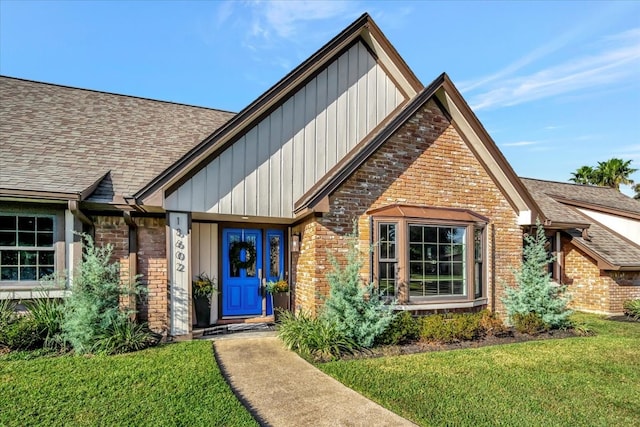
274 163
204 257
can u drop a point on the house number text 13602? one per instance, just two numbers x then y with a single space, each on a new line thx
179 254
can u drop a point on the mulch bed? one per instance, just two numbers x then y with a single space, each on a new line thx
509 337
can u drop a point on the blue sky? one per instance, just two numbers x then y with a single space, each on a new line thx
556 84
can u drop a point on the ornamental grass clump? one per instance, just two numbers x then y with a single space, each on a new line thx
535 294
357 310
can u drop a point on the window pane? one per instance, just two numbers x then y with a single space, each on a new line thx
45 258
7 223
45 239
8 273
9 257
26 239
415 233
45 224
234 271
44 271
28 273
430 234
415 288
274 257
28 257
251 269
415 252
7 238
437 262
27 223
387 283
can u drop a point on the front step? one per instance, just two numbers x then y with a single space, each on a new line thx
236 327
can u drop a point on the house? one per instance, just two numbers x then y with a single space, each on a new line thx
595 235
348 139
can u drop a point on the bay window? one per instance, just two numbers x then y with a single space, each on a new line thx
429 255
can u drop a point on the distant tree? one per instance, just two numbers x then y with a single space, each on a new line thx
614 172
583 175
636 188
610 173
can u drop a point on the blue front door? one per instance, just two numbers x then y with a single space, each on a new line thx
241 270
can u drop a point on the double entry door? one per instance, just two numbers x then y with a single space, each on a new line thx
250 258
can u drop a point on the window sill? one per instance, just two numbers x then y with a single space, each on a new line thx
441 305
26 291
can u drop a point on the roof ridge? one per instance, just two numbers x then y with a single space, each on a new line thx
102 92
567 183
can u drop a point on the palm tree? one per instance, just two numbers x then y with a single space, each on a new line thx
636 188
613 172
583 175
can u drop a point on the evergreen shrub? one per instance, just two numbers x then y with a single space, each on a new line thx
358 311
403 329
535 292
449 328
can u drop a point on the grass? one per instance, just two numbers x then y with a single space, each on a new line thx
171 385
576 381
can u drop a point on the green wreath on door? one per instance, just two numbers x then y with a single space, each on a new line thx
236 250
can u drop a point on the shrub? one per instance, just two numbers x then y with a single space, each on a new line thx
404 328
92 309
529 323
22 334
314 337
632 309
358 311
491 324
48 314
536 293
448 328
124 335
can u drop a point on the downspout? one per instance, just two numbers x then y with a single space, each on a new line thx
133 245
133 255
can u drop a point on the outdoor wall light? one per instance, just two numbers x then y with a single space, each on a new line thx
295 242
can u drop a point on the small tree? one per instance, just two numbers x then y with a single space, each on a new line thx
358 310
535 293
92 309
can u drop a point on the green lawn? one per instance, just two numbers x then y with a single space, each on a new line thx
172 385
575 381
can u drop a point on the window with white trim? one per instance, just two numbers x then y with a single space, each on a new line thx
27 251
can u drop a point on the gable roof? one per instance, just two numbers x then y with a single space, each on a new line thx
67 143
443 91
362 30
560 201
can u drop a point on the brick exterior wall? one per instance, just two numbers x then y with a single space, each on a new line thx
151 263
425 162
595 290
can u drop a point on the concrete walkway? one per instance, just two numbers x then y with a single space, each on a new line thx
282 389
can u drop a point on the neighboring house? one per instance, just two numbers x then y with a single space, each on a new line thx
348 137
595 233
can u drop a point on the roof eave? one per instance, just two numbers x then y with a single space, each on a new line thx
39 195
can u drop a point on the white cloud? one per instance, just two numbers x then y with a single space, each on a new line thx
616 62
520 143
287 19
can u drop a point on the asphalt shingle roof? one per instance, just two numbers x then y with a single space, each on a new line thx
606 243
61 139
